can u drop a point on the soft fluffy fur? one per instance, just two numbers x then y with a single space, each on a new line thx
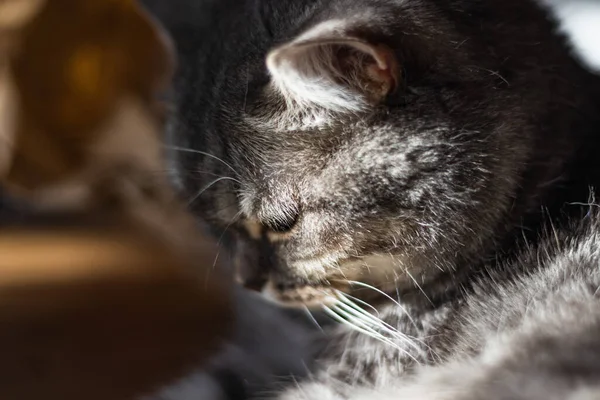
484 130
424 182
528 331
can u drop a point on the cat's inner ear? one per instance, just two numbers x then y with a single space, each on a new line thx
334 69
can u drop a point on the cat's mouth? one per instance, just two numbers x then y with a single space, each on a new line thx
358 277
313 296
367 278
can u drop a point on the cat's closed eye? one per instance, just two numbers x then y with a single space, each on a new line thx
282 225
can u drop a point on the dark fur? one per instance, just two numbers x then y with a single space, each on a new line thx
494 123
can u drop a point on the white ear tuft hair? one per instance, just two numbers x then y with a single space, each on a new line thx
326 67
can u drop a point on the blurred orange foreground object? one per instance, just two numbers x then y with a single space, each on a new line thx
116 297
74 65
100 314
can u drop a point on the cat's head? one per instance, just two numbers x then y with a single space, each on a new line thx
383 142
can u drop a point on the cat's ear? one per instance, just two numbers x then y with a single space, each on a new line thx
331 67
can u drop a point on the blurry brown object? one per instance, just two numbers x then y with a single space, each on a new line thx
84 70
116 295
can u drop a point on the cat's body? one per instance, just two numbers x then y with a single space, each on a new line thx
520 335
419 147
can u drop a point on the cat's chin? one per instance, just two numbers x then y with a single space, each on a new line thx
301 296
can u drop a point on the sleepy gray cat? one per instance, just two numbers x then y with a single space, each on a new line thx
395 162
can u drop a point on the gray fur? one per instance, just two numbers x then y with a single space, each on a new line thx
533 335
491 116
436 195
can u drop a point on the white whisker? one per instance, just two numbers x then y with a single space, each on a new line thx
387 296
350 301
183 149
233 220
200 171
378 323
418 286
347 318
350 319
205 188
369 333
312 318
357 300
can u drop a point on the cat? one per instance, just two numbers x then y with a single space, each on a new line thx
402 156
